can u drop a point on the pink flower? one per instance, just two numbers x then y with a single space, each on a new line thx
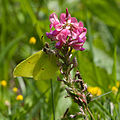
67 31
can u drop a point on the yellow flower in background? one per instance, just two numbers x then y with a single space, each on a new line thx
32 40
3 83
99 92
19 97
118 84
15 89
114 89
95 90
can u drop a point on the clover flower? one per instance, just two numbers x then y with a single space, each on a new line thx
68 31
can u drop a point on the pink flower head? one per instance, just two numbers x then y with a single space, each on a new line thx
67 30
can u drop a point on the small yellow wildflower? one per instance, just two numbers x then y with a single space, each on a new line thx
19 97
15 89
99 92
3 83
32 40
95 91
118 84
114 89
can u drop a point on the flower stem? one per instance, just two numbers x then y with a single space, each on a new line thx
53 107
90 113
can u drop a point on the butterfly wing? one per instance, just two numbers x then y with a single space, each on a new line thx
26 67
40 66
46 67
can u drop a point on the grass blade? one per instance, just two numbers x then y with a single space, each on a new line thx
52 94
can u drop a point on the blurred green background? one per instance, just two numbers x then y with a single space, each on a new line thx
99 64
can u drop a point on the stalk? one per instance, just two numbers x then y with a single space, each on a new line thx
52 95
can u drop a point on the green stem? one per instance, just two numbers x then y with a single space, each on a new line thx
53 107
115 65
90 113
86 117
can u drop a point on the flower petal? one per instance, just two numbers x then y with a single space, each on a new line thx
81 49
80 24
59 44
53 18
62 36
58 27
73 20
80 40
63 18
67 13
73 42
82 35
52 34
77 46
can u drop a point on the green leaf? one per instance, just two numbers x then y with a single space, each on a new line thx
87 70
40 66
114 72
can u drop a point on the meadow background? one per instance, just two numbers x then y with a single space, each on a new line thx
27 99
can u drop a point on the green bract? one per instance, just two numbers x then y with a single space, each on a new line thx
40 66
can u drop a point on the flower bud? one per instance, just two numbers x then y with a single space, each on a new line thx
72 116
75 64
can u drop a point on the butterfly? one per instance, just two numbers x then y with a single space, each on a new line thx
40 66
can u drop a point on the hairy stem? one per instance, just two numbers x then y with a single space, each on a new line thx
90 113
